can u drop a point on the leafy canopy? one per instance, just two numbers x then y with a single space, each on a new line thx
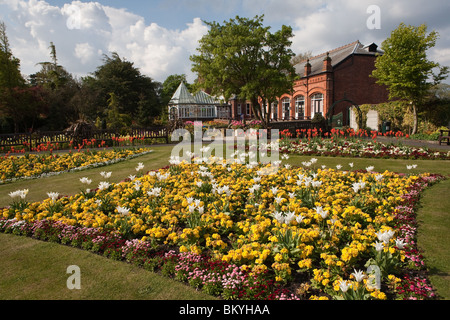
242 57
404 66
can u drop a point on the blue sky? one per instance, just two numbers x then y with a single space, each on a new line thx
160 35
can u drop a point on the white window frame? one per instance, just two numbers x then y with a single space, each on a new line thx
286 102
299 104
316 104
274 110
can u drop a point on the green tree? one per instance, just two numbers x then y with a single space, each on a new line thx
168 88
437 106
114 118
52 75
243 58
11 84
405 69
10 75
136 94
61 88
170 85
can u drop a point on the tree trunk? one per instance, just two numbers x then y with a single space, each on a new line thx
415 122
256 108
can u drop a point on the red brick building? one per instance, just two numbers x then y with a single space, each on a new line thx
340 76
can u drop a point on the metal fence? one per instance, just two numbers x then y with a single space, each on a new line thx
111 137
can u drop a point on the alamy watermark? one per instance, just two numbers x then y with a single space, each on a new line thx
251 146
374 20
74 281
74 17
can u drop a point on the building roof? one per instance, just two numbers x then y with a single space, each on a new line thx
203 98
183 96
337 56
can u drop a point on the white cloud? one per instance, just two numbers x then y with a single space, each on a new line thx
84 51
83 31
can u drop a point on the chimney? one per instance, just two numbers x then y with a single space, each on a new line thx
307 68
327 63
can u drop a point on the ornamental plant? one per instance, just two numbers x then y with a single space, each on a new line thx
31 166
258 224
348 143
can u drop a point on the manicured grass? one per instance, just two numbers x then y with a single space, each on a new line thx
37 270
434 235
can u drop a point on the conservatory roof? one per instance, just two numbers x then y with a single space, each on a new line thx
203 98
183 96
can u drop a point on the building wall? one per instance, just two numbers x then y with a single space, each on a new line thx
352 81
235 109
308 87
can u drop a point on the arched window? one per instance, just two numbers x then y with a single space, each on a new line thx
274 109
316 104
300 107
173 113
286 107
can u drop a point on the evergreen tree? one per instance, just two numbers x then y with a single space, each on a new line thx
132 90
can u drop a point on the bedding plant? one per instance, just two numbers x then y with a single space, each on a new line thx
248 231
31 165
351 143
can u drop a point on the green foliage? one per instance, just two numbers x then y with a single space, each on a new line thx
135 93
404 67
10 75
115 119
393 111
242 57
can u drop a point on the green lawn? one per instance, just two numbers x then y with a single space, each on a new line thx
37 270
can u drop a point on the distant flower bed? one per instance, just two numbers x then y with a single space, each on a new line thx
36 165
252 124
235 232
353 144
234 124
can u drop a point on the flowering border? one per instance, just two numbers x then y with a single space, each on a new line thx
414 284
339 143
220 278
82 168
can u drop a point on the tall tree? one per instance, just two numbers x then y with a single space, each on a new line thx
136 94
52 75
10 75
243 58
61 87
437 106
405 69
303 56
11 83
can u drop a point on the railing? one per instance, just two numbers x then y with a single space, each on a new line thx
32 140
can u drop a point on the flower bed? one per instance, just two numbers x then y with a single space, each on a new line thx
350 143
232 231
360 148
30 166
